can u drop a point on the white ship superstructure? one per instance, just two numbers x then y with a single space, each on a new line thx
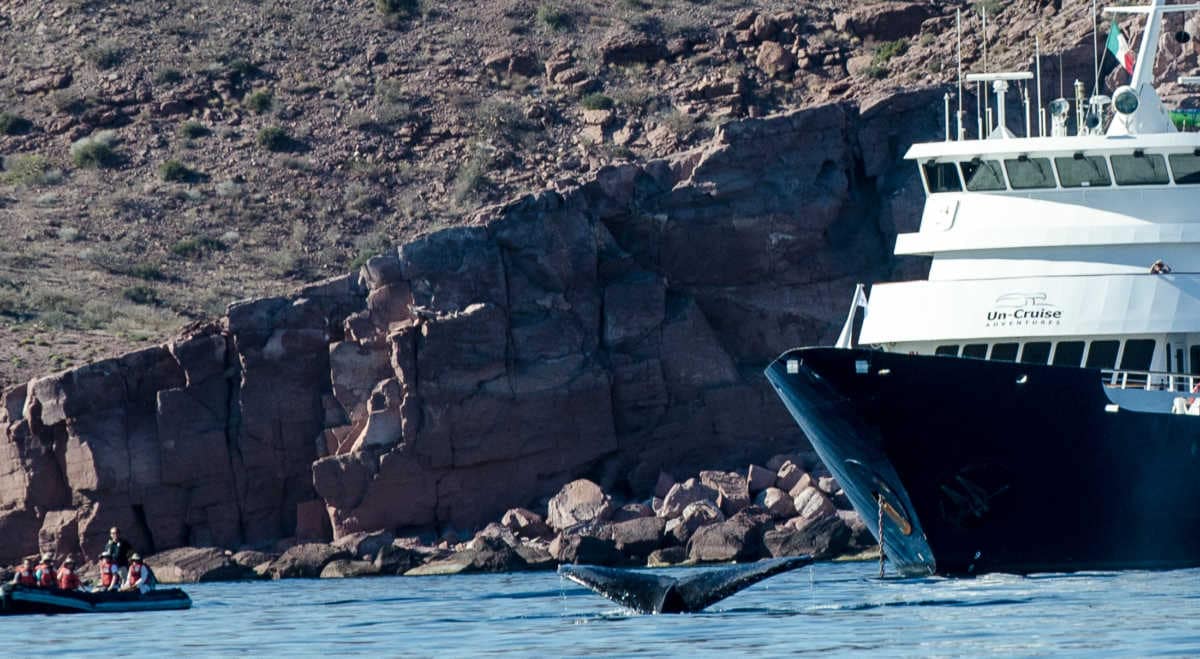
1065 249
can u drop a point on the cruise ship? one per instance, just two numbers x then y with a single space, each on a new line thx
1031 406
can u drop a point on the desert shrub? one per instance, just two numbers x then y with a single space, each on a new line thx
13 124
260 100
168 76
471 180
141 294
876 71
95 151
596 101
174 171
275 138
553 17
889 49
501 119
69 234
398 7
193 130
992 7
146 271
197 246
30 169
105 55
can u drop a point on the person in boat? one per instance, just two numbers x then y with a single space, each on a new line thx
68 579
26 575
110 576
140 576
47 577
119 549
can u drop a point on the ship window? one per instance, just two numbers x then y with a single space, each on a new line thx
1194 360
983 175
1068 353
1140 169
1037 352
1004 352
1138 355
975 350
942 177
1103 354
1082 172
1027 173
946 350
1185 167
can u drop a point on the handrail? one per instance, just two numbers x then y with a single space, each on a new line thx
1150 380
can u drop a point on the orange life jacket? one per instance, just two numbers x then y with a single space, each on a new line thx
67 579
106 574
46 577
135 573
27 578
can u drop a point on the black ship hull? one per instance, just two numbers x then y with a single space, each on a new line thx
998 467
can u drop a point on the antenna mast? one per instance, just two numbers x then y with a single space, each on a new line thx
1037 54
1095 49
958 30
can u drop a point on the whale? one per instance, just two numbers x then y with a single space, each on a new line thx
648 592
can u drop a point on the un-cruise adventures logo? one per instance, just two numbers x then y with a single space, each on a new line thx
1023 310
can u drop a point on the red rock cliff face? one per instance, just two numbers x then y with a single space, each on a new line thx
613 327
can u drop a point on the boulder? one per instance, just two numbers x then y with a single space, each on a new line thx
343 568
59 534
682 494
732 492
812 503
885 21
662 487
305 561
860 534
482 554
736 539
777 502
630 511
578 501
695 515
823 538
250 558
828 484
636 538
365 545
789 474
759 478
631 47
775 60
666 557
526 523
197 564
585 549
395 558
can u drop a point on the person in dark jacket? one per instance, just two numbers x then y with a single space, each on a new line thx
119 549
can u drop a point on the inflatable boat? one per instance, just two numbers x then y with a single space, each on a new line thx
16 600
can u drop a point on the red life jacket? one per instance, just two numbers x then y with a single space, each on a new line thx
106 574
45 576
67 579
135 573
27 578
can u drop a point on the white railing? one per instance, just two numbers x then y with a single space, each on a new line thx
1151 380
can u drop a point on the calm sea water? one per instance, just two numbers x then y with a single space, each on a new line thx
838 609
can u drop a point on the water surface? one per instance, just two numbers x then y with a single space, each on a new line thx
838 609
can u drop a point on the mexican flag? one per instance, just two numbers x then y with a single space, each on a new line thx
1119 47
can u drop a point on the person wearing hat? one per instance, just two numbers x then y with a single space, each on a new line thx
46 576
140 577
110 575
25 576
67 578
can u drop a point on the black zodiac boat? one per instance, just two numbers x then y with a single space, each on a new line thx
17 600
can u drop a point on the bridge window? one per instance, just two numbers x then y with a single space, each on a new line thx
949 351
1028 173
1140 169
1036 352
1082 171
942 177
975 350
1185 167
1068 353
983 175
1138 355
1004 352
1103 354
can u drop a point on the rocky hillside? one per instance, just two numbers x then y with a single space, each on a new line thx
162 159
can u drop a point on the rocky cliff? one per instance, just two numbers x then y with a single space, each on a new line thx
610 327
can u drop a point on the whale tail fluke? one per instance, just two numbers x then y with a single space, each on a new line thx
655 593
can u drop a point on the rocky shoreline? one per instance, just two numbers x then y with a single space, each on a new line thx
790 507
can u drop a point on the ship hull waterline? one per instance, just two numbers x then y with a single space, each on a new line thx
997 467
